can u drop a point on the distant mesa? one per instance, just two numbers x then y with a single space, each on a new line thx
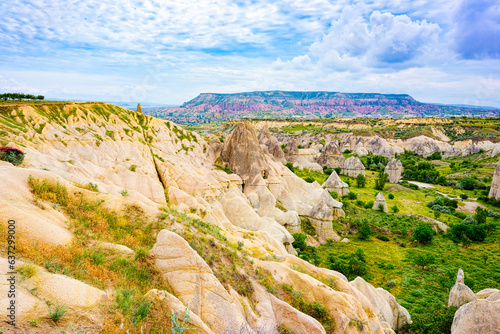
282 104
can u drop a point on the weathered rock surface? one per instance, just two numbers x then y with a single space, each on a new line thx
193 282
273 146
334 183
384 304
331 155
380 200
477 317
195 324
394 169
353 167
460 293
495 184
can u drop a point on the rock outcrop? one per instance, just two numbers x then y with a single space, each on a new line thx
353 167
244 156
495 184
305 158
460 294
334 183
394 169
380 200
193 283
387 309
272 144
477 317
331 155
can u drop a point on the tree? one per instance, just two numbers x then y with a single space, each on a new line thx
481 215
381 180
395 209
360 181
467 183
365 231
423 233
437 214
422 259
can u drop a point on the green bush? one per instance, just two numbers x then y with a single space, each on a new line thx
309 179
391 196
365 231
352 196
351 265
422 259
14 157
395 209
382 179
360 181
382 237
476 233
423 233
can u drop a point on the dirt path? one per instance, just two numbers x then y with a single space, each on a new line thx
469 207
421 184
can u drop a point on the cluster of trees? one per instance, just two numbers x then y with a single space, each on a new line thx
20 96
375 162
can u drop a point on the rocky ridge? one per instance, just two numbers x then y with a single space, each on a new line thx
136 160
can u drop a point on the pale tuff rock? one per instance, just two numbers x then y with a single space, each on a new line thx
291 149
76 295
331 155
193 282
477 317
305 159
48 226
273 146
460 293
380 199
275 311
345 306
195 324
486 293
379 146
385 305
495 184
426 146
353 167
244 156
334 183
394 169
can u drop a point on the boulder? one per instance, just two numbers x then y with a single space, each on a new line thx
477 317
394 169
353 167
486 293
305 159
460 293
193 282
495 184
334 183
380 199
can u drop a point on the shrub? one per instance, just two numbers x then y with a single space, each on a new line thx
360 203
369 205
481 215
289 165
464 196
422 259
27 270
327 170
423 233
309 179
395 209
364 231
476 233
382 179
176 326
391 196
380 207
15 157
334 194
435 156
338 170
124 192
351 265
352 196
57 312
360 181
382 237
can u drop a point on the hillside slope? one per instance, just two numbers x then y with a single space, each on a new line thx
122 219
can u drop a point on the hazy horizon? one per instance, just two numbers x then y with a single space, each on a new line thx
170 52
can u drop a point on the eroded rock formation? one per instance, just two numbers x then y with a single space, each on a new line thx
380 201
460 293
495 184
331 155
394 169
334 183
353 167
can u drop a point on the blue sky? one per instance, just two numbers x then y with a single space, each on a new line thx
167 51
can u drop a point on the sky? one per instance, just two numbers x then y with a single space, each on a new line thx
164 51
